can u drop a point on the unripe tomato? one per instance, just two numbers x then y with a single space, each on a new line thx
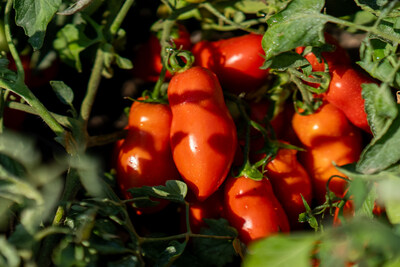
236 61
290 182
328 122
203 134
147 62
252 208
344 92
145 157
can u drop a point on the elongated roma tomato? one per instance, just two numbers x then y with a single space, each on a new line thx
145 157
203 134
290 182
252 208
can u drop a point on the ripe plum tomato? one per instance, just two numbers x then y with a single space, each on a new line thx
290 182
236 61
144 157
318 162
203 134
252 208
328 122
344 92
147 61
328 137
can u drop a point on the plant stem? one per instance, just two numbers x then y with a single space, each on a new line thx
120 16
373 30
93 85
11 46
216 13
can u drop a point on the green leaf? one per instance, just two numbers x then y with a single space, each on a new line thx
383 152
71 41
174 190
299 24
380 107
281 250
388 194
286 60
377 58
212 251
89 169
173 251
34 16
63 92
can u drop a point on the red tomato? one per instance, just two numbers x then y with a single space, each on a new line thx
252 208
203 134
328 137
147 62
344 92
145 156
236 61
290 181
328 122
318 162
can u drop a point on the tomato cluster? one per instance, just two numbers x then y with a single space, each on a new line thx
198 139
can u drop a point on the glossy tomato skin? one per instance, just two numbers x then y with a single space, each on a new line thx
318 162
327 123
145 157
236 61
328 137
147 61
290 182
252 208
344 92
203 134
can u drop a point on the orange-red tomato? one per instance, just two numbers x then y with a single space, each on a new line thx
325 124
203 134
328 138
252 208
290 182
236 61
144 157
